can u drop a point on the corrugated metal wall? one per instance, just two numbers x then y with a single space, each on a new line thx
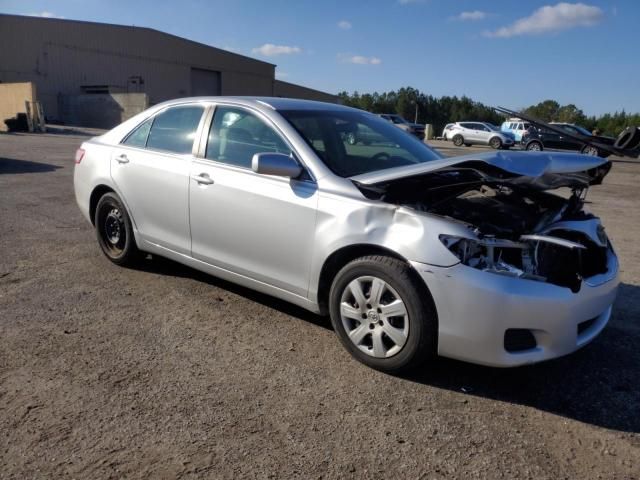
60 56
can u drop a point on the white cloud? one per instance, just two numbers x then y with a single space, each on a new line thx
44 14
552 19
359 59
471 16
269 50
344 24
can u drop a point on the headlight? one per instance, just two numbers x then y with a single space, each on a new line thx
489 254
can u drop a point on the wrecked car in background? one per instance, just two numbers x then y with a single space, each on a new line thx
411 254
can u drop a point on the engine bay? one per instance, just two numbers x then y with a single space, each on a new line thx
515 230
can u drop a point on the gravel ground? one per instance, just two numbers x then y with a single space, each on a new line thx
163 372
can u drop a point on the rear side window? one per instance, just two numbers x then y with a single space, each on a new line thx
236 135
138 138
174 130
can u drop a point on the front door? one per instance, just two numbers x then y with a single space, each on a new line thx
259 226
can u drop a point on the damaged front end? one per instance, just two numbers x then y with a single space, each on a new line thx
515 226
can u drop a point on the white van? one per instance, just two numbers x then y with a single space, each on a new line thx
517 126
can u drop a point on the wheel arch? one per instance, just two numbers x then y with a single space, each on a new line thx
339 258
95 197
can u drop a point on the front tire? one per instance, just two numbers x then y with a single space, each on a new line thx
458 140
591 150
382 315
495 143
114 231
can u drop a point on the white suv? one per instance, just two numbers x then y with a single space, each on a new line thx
479 133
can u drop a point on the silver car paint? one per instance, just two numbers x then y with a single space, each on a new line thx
276 235
478 137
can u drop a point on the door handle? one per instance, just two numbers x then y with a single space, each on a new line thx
203 179
122 158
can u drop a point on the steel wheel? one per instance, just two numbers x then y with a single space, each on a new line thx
114 231
374 317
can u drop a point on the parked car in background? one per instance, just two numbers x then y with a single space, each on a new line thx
516 127
540 138
266 193
479 133
412 128
362 134
445 131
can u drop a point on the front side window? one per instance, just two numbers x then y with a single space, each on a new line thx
353 142
174 130
236 135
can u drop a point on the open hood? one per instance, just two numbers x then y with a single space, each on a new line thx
537 170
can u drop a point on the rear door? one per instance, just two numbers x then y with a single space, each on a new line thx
467 130
151 170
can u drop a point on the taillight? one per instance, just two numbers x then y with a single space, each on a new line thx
79 155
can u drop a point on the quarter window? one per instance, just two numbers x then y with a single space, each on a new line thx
174 130
236 135
139 136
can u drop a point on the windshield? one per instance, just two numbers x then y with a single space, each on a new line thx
397 119
492 127
351 142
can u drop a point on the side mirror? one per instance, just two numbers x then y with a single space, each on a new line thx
277 164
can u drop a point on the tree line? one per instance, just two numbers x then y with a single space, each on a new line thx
438 111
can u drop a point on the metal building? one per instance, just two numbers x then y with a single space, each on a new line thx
80 67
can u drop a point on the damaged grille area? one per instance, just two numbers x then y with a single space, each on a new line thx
543 258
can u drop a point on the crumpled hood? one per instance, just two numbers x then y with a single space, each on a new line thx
539 170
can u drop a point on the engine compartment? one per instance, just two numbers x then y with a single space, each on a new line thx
511 227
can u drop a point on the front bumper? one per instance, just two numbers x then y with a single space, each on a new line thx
476 308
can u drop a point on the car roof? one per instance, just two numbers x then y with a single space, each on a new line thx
274 103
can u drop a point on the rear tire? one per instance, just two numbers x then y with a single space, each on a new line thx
382 315
114 231
458 140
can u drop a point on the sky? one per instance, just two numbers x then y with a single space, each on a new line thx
499 52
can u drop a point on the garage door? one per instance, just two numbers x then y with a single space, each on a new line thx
205 82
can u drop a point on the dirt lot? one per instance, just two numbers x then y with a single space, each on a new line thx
163 372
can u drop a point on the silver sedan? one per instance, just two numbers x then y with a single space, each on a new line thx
410 254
